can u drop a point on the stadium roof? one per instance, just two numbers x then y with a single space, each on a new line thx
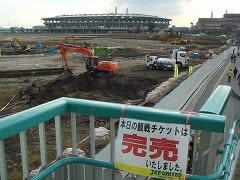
107 15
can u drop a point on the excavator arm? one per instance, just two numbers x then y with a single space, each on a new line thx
64 48
24 46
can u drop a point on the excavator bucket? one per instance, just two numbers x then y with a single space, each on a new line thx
67 72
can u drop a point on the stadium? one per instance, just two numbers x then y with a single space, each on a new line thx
105 23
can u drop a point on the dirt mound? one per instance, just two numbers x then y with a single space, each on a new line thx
164 37
132 82
207 40
117 88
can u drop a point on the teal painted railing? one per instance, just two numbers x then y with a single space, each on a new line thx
20 122
32 117
217 102
222 171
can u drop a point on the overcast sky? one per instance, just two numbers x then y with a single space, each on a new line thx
28 13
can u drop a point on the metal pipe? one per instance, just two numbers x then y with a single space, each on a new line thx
24 154
15 123
3 167
112 140
74 133
58 132
72 160
42 140
92 136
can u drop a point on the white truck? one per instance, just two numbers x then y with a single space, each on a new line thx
177 56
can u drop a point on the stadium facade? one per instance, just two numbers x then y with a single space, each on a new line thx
105 23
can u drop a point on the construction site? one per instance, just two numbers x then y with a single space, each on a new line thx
39 68
32 64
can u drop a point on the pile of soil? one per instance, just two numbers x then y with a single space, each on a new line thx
132 82
116 88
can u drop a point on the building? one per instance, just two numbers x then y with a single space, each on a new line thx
105 23
228 24
5 30
39 29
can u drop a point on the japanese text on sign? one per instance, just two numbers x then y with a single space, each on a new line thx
152 149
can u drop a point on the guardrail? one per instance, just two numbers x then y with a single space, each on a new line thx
223 171
224 168
88 168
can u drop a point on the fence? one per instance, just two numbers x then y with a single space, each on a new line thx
73 167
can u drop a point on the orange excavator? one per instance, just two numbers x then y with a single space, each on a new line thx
94 64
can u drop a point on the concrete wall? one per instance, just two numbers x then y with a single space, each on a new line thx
177 98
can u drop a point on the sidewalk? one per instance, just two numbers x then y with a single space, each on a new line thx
234 82
236 174
235 86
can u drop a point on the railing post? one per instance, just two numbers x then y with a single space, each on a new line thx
72 168
74 135
62 172
24 154
195 149
91 169
112 139
42 139
58 136
112 143
92 136
3 167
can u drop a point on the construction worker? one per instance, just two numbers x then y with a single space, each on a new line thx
235 71
229 75
232 58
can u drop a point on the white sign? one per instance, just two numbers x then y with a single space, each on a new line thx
152 149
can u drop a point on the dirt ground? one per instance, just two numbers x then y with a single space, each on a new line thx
132 82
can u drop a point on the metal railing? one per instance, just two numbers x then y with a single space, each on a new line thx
74 167
224 167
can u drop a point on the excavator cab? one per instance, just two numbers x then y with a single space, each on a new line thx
96 64
91 64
